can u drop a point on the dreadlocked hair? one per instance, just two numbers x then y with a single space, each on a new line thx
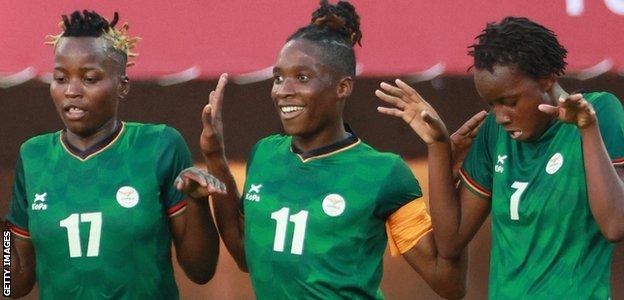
336 29
91 24
533 48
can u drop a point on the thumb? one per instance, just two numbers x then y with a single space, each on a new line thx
206 115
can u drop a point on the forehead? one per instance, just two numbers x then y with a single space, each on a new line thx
83 50
299 53
501 81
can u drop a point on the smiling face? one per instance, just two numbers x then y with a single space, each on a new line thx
514 98
87 84
307 97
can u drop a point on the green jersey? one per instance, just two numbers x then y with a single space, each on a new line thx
99 223
545 241
315 223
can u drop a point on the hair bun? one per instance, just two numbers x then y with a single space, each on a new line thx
341 18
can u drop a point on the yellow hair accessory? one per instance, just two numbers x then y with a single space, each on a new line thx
120 40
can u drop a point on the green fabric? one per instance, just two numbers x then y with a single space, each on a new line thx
553 249
341 250
133 259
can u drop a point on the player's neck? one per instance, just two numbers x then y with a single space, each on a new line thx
83 143
322 138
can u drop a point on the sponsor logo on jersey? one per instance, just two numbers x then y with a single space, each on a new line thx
333 205
40 202
499 164
554 164
127 196
252 194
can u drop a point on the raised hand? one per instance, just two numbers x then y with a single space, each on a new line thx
211 139
414 110
462 138
572 109
198 184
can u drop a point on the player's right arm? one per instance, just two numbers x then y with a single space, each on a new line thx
22 251
227 211
456 215
22 267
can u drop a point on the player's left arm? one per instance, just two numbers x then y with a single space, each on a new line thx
605 182
410 233
194 233
447 277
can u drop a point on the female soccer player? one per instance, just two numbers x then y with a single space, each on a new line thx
312 219
94 206
547 163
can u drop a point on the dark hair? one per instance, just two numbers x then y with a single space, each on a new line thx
91 24
87 24
336 29
533 48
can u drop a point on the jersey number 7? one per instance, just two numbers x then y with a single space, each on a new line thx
515 199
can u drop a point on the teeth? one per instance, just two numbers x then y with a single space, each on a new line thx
288 109
75 109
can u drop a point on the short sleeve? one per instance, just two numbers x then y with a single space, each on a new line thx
174 156
398 188
610 114
476 171
18 208
250 160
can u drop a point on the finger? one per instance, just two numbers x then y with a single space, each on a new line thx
194 175
390 99
390 111
392 90
433 121
549 109
408 90
207 115
427 117
218 95
471 126
179 184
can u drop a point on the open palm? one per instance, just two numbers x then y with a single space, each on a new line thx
413 109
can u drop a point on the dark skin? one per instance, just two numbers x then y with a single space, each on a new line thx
89 81
524 107
310 100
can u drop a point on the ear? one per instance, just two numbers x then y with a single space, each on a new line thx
344 88
124 87
546 83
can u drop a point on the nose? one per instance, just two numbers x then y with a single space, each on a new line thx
502 115
284 89
74 89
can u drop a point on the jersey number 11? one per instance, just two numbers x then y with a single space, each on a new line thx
282 218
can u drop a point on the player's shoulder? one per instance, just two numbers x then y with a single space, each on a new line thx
40 143
272 141
603 100
368 153
150 131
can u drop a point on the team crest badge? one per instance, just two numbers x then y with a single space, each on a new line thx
333 205
127 196
554 164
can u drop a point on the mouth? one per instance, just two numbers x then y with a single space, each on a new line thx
73 113
515 134
288 112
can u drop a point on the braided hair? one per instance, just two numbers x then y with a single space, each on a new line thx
533 48
91 24
336 29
